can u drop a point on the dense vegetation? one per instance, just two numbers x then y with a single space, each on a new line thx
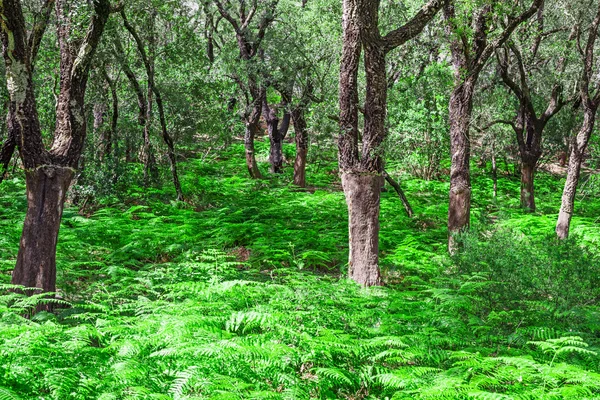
247 199
224 299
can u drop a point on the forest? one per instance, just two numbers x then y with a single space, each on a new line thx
299 199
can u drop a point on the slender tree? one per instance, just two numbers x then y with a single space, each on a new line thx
529 124
249 40
362 175
469 56
148 58
590 102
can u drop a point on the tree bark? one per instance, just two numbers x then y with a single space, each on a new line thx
249 44
148 60
468 59
48 173
36 261
459 208
527 186
362 193
573 172
362 177
590 108
301 146
252 129
276 134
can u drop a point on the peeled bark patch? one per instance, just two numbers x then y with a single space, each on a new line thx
362 197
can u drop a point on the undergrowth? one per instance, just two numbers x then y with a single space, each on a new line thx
146 311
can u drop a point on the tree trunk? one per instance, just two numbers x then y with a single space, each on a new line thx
251 130
527 185
461 106
573 172
362 193
36 261
170 146
301 147
98 132
494 171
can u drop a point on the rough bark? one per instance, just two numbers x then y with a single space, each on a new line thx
276 134
573 173
301 146
527 186
362 193
252 129
590 106
362 171
48 173
36 261
461 107
528 125
249 42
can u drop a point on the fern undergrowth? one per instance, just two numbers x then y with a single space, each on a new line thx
146 310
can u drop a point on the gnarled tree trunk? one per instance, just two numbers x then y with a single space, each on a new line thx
48 172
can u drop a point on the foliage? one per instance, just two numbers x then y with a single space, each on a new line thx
146 311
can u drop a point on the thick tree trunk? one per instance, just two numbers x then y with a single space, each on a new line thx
276 154
527 185
459 208
301 147
362 193
573 172
36 261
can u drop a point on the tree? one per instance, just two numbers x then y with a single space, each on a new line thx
249 42
469 56
48 173
362 177
590 102
529 125
148 58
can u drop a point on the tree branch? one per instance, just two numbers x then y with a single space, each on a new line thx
413 27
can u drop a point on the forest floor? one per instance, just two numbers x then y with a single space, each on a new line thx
239 293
